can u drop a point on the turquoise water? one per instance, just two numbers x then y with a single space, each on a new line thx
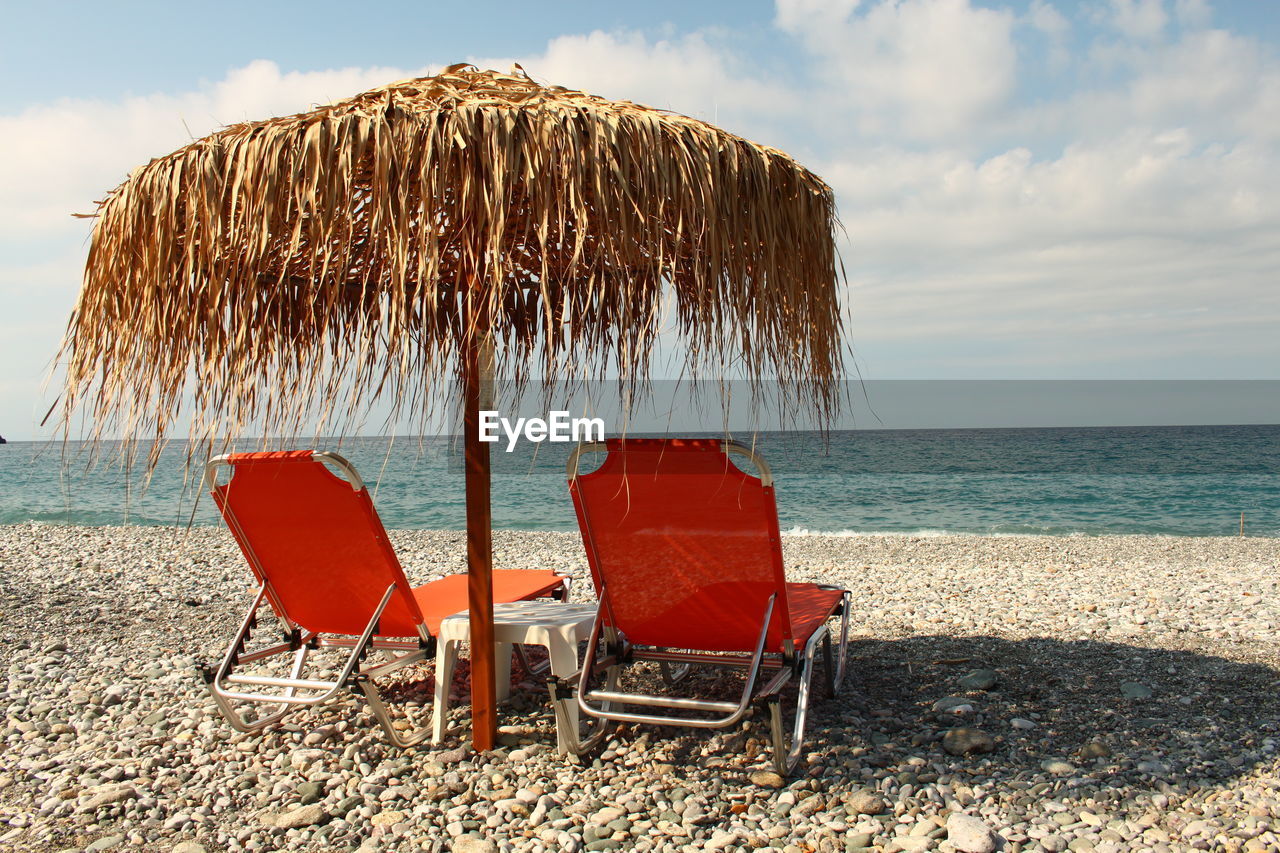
1186 481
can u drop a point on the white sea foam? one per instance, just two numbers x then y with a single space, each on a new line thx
922 533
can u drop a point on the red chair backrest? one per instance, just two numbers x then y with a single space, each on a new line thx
319 543
683 545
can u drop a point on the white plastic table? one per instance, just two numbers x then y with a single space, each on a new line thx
555 626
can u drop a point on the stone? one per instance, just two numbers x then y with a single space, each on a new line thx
909 844
346 805
980 679
607 815
968 834
106 842
472 844
1022 724
1194 828
301 759
108 795
309 792
1053 843
865 802
188 847
967 741
1134 690
387 817
767 779
318 736
1058 767
721 839
953 705
301 816
1094 749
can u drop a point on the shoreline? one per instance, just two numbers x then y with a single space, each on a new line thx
794 532
109 738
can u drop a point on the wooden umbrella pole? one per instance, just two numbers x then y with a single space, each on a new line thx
477 379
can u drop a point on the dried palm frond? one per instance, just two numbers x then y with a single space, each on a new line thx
341 256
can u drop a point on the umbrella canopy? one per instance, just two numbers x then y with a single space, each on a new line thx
375 247
328 255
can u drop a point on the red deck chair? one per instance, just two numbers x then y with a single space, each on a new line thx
687 562
323 561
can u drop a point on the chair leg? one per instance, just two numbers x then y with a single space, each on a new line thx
787 747
673 675
828 671
786 753
569 737
374 697
845 608
237 720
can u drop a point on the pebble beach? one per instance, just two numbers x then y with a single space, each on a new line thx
1026 693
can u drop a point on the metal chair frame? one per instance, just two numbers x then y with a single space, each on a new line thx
780 668
355 675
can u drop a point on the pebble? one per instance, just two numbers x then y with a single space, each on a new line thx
1134 690
767 779
966 741
118 744
389 817
865 803
953 705
980 679
858 840
301 816
1095 749
968 834
469 844
309 792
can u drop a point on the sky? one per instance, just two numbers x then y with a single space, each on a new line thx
1028 190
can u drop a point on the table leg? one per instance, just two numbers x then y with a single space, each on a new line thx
446 657
502 669
564 662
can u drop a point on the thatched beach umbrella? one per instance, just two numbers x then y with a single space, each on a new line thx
379 247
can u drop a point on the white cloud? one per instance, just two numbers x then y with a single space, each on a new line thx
800 16
926 68
1139 19
690 74
62 157
1049 22
1192 14
1072 259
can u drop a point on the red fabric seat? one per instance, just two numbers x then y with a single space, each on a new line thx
318 542
442 598
685 547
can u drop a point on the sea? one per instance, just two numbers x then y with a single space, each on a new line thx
1167 480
